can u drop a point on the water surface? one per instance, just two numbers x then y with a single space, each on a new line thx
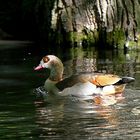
27 112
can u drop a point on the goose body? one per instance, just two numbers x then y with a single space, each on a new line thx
82 85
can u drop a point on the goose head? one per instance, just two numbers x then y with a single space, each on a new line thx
54 64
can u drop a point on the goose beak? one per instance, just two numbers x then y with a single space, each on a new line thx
39 67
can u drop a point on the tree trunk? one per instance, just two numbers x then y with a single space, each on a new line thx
95 20
72 21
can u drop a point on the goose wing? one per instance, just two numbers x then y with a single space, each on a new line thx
71 81
96 79
105 79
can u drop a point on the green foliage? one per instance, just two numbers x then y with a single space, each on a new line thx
116 36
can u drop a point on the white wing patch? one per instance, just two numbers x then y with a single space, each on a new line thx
107 90
87 89
80 89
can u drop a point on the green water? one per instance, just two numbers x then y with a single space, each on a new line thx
25 115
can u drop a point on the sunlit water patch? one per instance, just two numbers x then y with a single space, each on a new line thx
88 121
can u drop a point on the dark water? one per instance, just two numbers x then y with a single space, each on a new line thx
25 115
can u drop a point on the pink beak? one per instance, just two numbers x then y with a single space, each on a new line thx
38 67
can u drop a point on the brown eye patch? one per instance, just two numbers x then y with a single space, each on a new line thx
45 59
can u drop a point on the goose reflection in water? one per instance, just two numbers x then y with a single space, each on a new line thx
53 113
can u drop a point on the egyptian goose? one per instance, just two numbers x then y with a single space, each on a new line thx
80 85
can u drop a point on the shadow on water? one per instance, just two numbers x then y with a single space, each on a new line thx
28 112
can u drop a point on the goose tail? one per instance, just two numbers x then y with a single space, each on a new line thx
126 80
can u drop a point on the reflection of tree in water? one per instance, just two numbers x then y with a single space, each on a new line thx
83 60
121 64
131 63
106 61
85 65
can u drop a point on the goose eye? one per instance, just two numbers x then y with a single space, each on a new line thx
45 59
